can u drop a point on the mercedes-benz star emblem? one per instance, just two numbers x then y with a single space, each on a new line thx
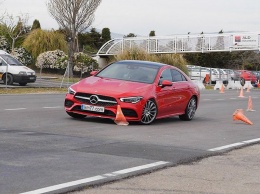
93 99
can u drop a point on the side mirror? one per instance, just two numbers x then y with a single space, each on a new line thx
166 83
93 73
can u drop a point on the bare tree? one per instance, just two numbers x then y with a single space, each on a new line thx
15 27
74 16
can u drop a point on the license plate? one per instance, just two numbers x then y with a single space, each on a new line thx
32 78
93 108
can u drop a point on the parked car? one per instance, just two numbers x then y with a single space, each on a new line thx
11 70
144 90
214 74
223 75
233 74
246 75
257 74
198 73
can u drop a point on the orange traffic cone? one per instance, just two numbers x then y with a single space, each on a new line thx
241 95
250 104
239 115
120 118
222 89
248 88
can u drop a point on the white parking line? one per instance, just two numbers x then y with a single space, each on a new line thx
252 140
47 107
234 145
15 109
52 107
226 146
65 185
95 178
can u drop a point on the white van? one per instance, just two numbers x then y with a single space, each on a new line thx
16 71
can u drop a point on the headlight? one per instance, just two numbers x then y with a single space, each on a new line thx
71 91
22 73
131 99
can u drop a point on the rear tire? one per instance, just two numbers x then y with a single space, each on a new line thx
75 115
190 110
8 79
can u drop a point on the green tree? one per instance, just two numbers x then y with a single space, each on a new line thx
152 33
90 42
14 27
130 35
39 41
105 35
36 25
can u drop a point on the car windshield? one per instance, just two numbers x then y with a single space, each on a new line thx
143 73
11 60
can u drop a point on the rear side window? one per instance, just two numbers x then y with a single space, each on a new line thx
177 76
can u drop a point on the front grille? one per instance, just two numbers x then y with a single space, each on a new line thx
102 100
106 113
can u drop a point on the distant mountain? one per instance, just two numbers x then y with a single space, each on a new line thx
113 34
116 35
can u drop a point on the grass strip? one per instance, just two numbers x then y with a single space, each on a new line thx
32 90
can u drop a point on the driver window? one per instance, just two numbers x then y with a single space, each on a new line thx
2 63
166 75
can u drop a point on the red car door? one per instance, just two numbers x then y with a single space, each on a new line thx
181 89
172 99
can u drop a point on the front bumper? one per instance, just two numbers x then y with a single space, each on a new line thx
24 78
132 112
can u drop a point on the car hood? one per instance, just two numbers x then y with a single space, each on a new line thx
107 86
17 69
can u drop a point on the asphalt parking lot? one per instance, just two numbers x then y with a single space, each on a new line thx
53 153
235 172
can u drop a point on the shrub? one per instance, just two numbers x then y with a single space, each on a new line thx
83 62
4 45
59 60
22 55
176 60
52 59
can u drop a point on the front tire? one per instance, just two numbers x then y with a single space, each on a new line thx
149 112
22 84
75 115
190 110
8 79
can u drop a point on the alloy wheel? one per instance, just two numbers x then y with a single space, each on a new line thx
149 112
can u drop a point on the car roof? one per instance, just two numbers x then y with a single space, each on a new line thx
155 64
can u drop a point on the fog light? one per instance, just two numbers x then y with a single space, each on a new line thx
68 103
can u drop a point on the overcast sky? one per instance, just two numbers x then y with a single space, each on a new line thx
165 17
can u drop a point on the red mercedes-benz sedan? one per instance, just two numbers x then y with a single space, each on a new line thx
144 90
